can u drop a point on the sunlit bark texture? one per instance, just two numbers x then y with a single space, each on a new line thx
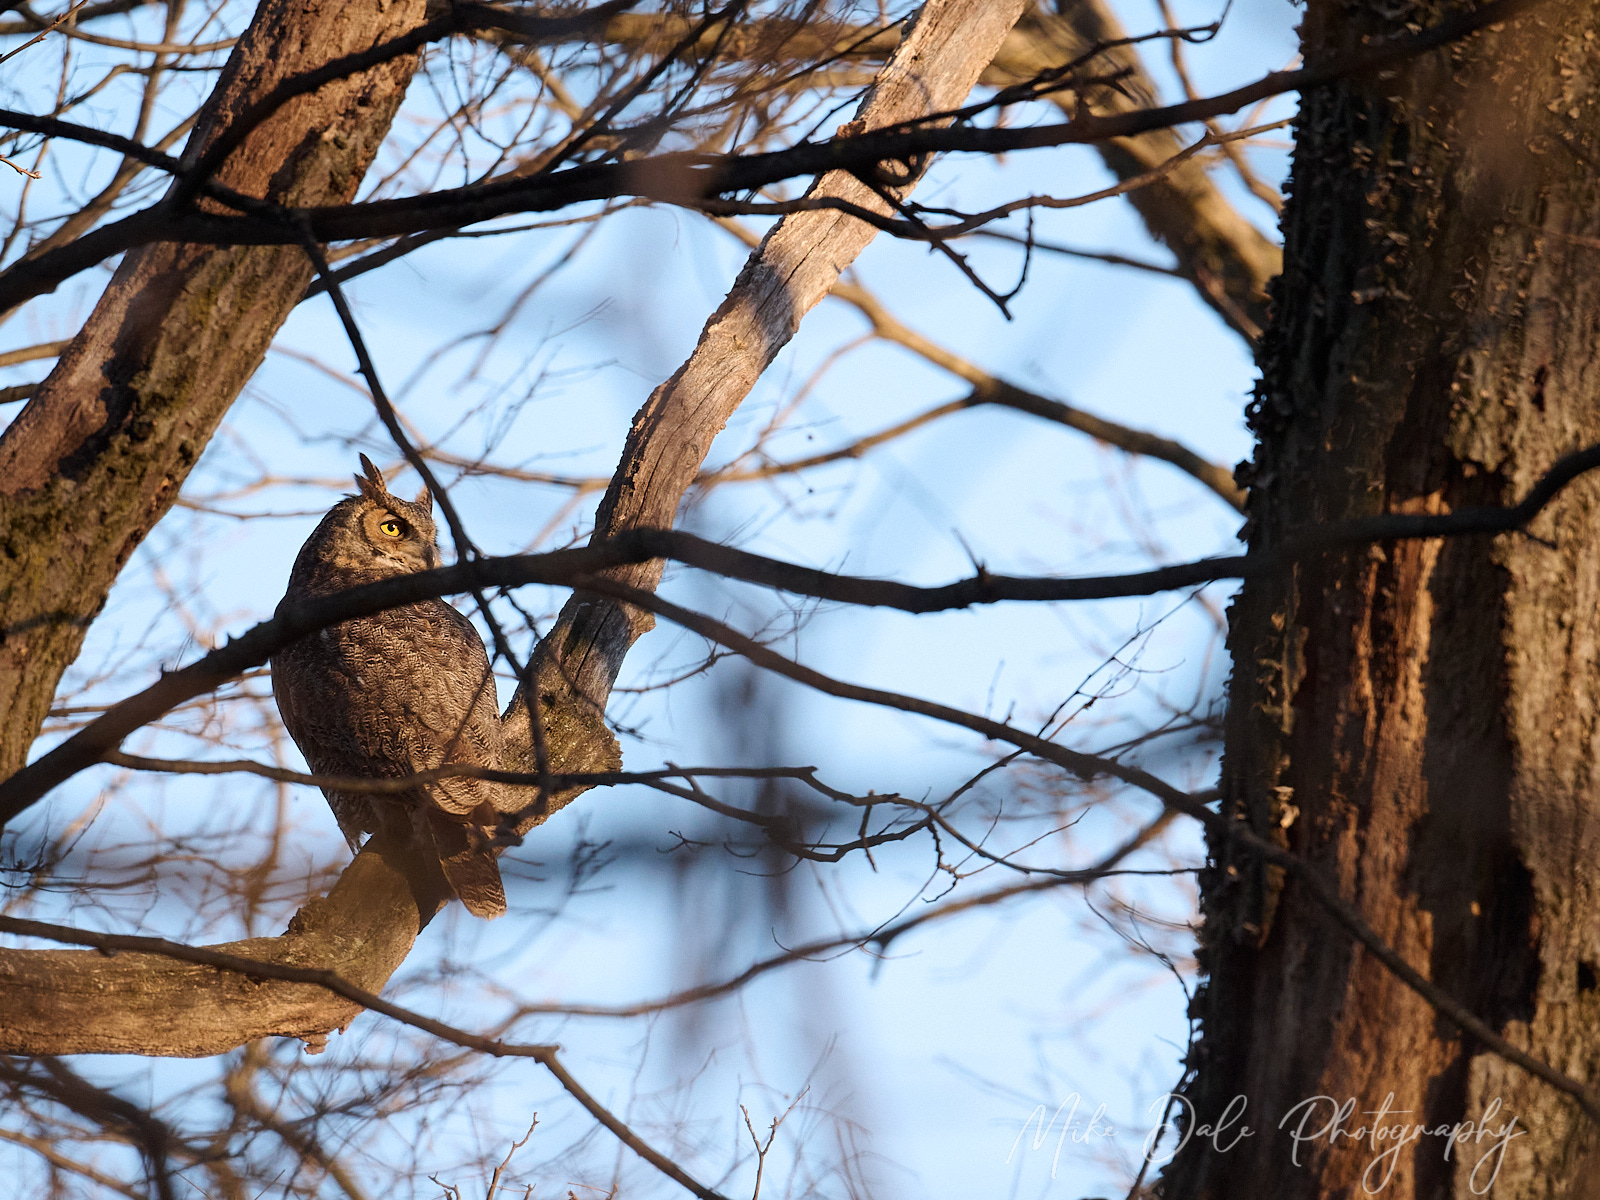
107 440
73 1001
1420 720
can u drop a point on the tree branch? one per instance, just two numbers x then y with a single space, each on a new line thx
136 951
690 179
584 568
986 389
938 61
934 68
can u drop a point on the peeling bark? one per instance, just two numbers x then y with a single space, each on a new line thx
1422 722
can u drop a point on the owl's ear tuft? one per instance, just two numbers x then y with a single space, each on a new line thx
371 484
424 499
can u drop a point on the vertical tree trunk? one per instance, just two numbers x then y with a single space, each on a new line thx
1419 721
107 440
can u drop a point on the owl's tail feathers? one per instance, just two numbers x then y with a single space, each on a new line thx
466 854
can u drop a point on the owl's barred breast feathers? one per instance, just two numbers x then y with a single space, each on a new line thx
401 691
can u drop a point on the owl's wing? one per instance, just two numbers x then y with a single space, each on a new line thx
454 718
460 723
408 690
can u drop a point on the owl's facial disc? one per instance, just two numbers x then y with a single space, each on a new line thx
396 542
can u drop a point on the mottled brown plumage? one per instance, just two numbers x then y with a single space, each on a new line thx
395 693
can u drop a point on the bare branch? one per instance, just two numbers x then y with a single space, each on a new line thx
11 358
1229 831
986 389
251 968
933 69
690 179
582 569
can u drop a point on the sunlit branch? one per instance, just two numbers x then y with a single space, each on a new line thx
687 179
43 33
545 1055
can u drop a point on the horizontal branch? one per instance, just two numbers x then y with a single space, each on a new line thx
11 358
255 969
581 568
1229 831
912 228
406 783
688 179
879 938
71 131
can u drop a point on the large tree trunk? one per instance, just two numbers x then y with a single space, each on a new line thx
107 440
1419 721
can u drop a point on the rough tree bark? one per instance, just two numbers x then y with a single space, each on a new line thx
66 1001
934 67
99 455
107 440
1421 721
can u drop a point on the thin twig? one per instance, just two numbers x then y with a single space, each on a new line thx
580 568
42 34
1230 831
544 1054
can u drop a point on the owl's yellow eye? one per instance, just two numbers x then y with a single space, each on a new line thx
390 528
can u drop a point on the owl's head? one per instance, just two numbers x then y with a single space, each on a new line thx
369 536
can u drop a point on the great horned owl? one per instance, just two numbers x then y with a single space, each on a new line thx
395 693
